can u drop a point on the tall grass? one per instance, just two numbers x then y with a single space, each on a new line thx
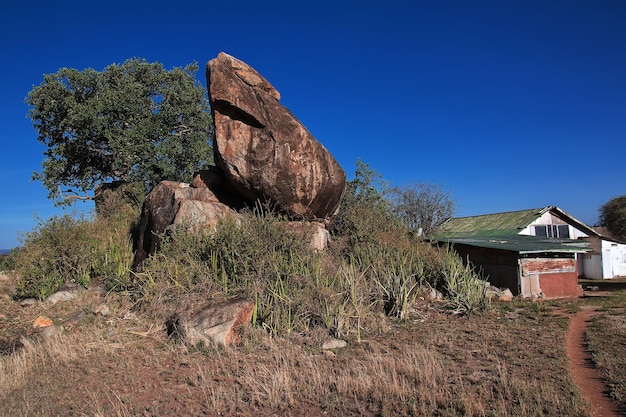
372 267
464 287
263 258
75 249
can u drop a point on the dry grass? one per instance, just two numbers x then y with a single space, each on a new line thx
606 338
509 361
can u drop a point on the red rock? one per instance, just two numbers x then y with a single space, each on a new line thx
216 323
264 151
174 203
42 322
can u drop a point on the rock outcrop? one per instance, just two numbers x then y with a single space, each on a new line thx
265 152
216 323
174 203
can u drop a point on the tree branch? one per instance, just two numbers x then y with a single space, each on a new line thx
73 195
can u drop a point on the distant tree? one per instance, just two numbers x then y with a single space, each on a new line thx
367 188
365 210
613 217
131 123
422 207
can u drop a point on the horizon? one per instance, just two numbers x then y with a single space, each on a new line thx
506 106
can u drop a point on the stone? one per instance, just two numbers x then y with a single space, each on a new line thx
174 203
66 292
316 232
102 310
501 294
215 180
216 323
331 344
60 296
264 151
505 295
42 322
27 302
51 331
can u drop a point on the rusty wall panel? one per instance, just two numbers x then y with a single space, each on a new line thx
560 285
547 266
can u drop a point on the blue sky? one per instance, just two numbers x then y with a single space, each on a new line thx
506 104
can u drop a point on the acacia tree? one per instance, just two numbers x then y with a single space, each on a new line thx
131 123
365 211
613 216
422 206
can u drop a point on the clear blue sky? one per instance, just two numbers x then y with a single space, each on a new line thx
507 104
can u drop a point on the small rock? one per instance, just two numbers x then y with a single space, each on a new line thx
216 323
51 331
98 289
60 296
66 292
435 295
505 295
102 310
42 322
71 287
334 344
27 302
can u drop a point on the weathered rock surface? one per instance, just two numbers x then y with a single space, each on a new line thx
218 323
66 292
175 203
265 152
501 294
331 344
316 232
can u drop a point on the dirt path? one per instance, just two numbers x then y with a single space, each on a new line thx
582 368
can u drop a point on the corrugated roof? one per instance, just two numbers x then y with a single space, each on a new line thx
507 223
522 243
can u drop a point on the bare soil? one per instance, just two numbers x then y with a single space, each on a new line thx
518 359
582 368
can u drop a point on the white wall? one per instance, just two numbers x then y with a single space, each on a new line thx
614 259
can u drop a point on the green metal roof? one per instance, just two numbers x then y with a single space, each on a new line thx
507 223
521 243
501 231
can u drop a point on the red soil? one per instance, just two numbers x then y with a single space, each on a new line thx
582 368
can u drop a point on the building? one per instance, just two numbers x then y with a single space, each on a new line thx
535 252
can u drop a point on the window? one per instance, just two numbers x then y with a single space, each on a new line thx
553 230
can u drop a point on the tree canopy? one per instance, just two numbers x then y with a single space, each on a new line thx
613 217
134 122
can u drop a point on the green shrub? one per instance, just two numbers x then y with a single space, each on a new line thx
76 249
58 250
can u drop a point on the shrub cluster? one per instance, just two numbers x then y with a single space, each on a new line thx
75 249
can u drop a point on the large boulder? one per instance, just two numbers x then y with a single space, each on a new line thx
199 207
174 203
264 151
